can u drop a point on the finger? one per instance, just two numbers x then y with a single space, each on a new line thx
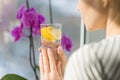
51 60
54 50
61 52
59 68
40 49
49 43
62 57
45 60
41 65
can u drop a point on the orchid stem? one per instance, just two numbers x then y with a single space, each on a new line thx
50 12
32 50
27 3
30 56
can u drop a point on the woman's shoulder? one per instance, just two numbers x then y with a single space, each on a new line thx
103 44
106 53
101 48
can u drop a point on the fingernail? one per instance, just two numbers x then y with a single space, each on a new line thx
48 50
40 54
60 48
42 50
39 49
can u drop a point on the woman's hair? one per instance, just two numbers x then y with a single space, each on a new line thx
114 10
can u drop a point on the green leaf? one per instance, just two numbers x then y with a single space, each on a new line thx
12 77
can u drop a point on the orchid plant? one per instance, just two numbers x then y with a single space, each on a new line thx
29 27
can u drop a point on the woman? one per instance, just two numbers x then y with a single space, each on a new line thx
95 61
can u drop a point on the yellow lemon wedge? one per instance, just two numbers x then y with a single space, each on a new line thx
56 33
50 33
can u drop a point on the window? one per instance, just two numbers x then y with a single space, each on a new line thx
14 55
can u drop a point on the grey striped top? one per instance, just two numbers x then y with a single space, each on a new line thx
96 61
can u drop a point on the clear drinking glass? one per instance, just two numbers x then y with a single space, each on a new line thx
51 32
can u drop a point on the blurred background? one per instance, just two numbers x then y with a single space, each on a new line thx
14 55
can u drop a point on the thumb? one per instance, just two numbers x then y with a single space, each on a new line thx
60 52
62 57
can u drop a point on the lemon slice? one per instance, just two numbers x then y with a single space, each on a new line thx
56 34
45 32
50 33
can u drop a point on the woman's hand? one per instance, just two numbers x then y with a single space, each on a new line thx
49 70
58 53
62 58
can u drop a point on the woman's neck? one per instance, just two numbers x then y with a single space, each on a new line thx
112 29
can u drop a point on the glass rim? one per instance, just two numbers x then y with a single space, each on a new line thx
53 24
